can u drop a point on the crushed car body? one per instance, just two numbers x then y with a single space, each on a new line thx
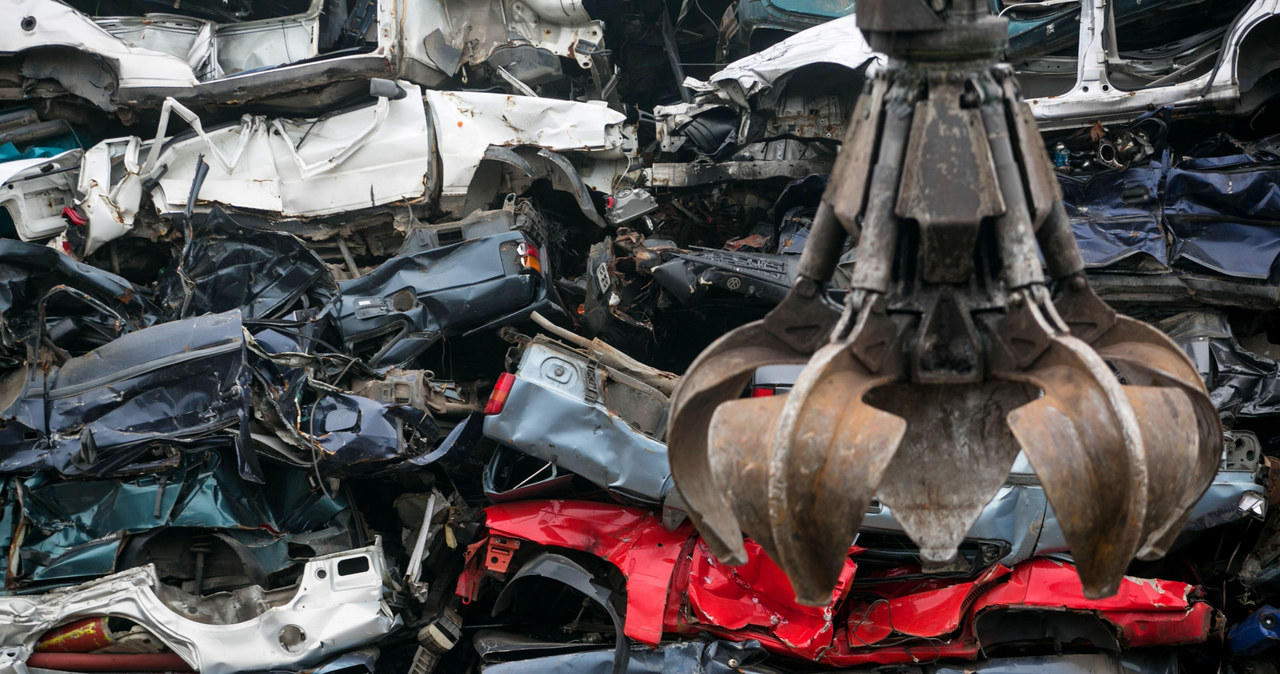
277 57
674 585
359 336
338 605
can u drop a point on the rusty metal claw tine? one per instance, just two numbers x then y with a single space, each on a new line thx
1083 439
1146 357
956 454
1166 418
829 450
719 374
1150 351
740 439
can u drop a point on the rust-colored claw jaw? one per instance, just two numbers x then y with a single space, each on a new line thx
805 465
718 375
1122 460
1083 440
1170 400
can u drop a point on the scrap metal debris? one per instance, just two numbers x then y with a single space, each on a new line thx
344 336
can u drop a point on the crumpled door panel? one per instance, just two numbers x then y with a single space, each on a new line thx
177 382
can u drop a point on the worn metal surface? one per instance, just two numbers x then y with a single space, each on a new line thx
468 122
106 305
237 262
1083 440
293 60
759 276
1094 95
298 167
1257 633
214 51
1243 376
90 528
34 192
719 374
1095 82
827 458
953 431
182 380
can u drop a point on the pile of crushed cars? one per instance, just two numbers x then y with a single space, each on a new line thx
339 335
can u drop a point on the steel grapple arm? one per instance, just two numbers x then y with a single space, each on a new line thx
950 353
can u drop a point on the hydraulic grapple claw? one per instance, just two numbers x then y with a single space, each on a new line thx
951 354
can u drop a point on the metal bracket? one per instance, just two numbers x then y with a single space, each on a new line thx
592 384
498 554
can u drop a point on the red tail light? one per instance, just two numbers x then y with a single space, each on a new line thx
498 399
530 258
760 391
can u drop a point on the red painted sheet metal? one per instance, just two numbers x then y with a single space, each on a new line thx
632 539
869 622
675 585
1164 629
468 585
1145 612
935 612
1049 583
758 596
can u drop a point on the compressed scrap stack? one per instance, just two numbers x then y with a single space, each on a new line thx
342 335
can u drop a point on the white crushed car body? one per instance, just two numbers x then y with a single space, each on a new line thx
34 192
355 159
467 123
121 63
339 604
